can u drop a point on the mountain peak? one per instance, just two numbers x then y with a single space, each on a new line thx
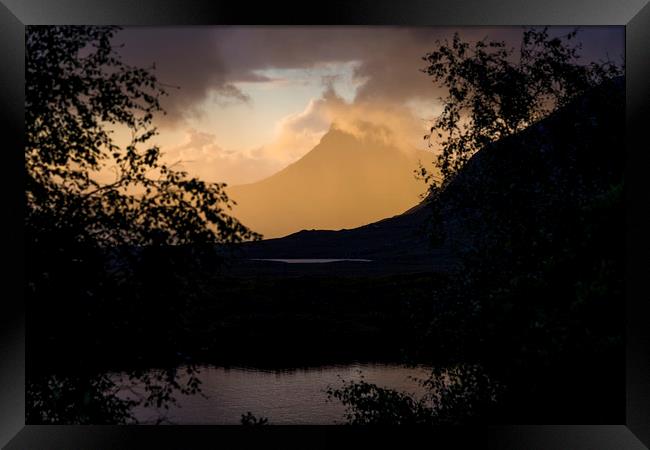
361 131
337 133
352 177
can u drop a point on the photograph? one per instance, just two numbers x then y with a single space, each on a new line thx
324 225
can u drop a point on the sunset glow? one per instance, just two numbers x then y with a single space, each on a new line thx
246 102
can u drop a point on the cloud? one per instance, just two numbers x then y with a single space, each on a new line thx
187 61
394 124
216 63
205 60
202 157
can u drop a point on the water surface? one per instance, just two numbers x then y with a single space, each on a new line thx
311 260
284 397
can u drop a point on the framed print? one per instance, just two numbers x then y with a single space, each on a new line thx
266 222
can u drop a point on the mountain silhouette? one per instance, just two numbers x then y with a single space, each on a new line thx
343 182
537 179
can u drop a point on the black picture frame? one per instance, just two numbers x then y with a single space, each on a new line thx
633 14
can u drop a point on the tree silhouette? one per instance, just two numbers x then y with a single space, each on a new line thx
494 92
530 323
80 228
78 93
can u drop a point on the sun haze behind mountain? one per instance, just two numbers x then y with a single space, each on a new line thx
345 181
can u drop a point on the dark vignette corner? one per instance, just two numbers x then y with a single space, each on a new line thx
12 327
638 336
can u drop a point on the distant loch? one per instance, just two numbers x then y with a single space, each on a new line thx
310 260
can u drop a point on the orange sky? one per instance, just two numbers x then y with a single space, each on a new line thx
246 102
254 99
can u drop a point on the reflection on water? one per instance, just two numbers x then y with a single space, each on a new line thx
310 260
284 397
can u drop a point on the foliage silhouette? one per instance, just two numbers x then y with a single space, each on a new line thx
455 395
250 420
77 95
531 203
88 239
493 93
